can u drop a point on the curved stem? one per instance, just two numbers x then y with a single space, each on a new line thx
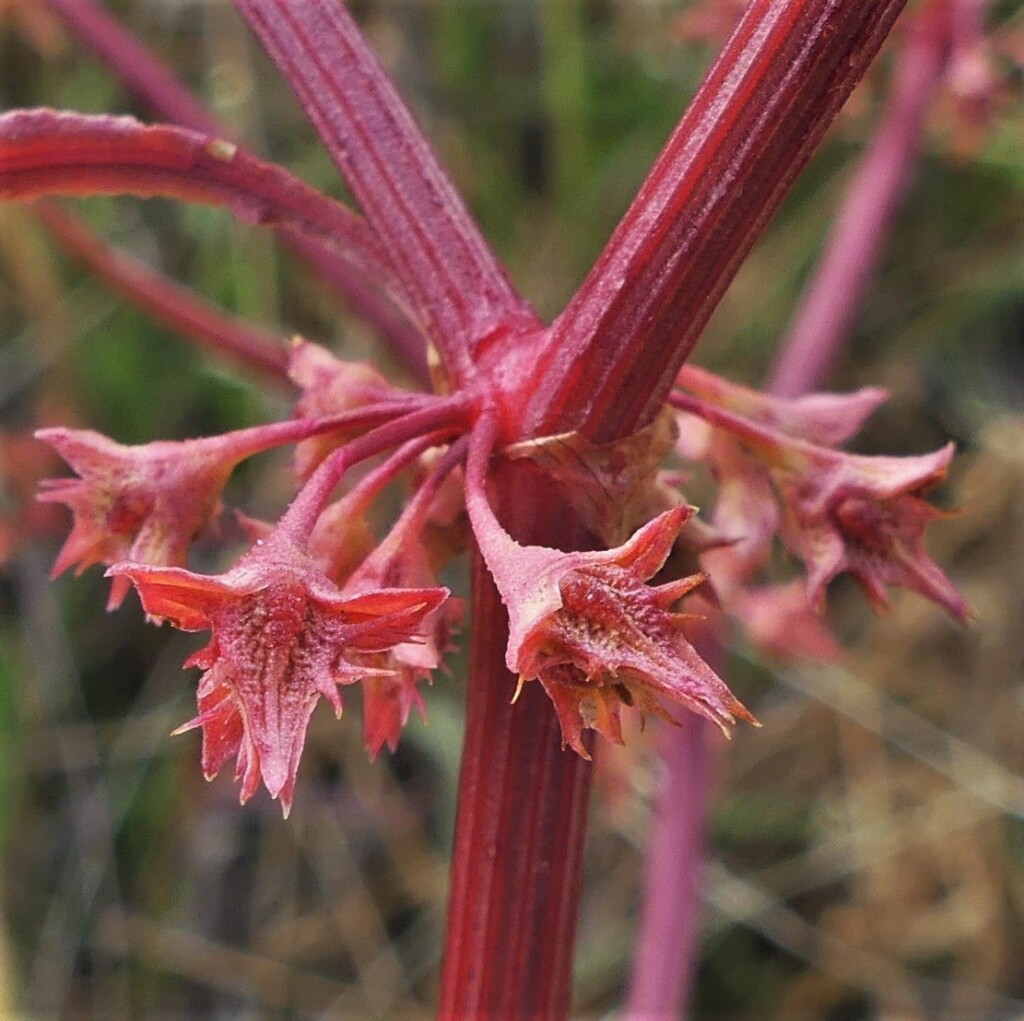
46 152
439 419
167 302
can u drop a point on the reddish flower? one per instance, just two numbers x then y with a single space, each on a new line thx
402 561
145 504
865 516
283 636
329 387
594 634
838 512
778 620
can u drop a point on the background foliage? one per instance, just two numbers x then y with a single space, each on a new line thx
868 843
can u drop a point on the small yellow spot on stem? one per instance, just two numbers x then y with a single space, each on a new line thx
219 149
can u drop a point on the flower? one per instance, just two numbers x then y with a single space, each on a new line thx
329 387
838 512
283 636
865 516
389 694
594 634
143 503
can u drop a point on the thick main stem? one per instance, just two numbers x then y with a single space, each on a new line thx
518 842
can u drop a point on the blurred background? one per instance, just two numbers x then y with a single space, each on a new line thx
867 845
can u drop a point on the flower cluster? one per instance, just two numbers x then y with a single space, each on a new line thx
319 603
779 475
316 603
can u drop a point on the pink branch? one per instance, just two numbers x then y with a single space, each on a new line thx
439 419
855 246
134 65
668 942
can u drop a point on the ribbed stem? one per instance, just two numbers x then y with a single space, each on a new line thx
754 123
522 818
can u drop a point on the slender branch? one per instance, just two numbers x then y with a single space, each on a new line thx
751 128
667 942
177 307
133 64
439 418
46 152
143 74
460 293
857 241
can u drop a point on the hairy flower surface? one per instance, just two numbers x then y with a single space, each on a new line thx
330 386
283 636
838 512
865 516
589 628
145 504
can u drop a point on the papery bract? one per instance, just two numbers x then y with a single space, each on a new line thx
283 636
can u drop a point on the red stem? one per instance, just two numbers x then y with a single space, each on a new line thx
522 815
667 942
133 64
752 126
610 362
440 417
458 290
167 302
46 152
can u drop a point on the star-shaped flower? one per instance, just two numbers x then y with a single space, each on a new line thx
589 628
838 512
143 503
865 516
283 636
